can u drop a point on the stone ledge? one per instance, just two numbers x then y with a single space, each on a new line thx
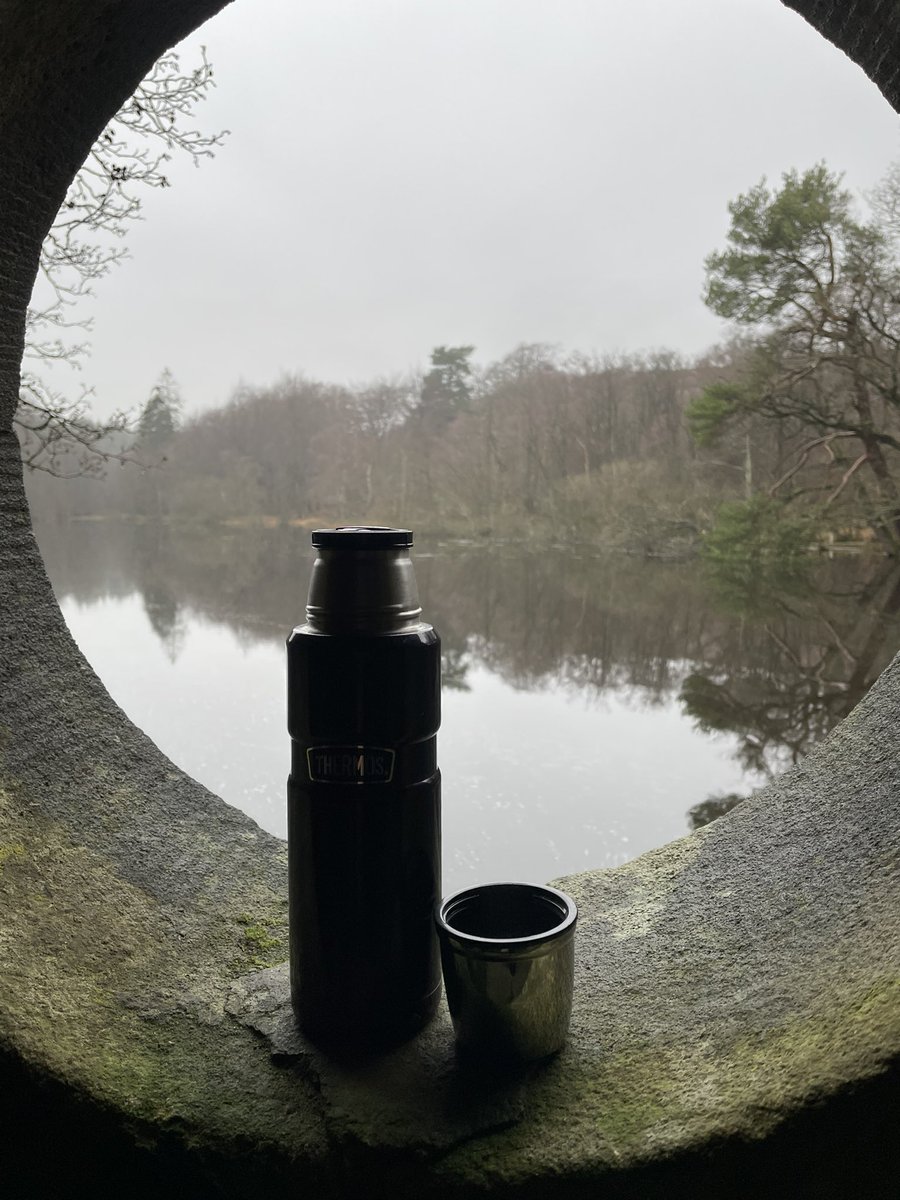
733 988
736 1021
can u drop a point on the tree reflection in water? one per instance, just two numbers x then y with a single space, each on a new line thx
713 807
776 660
828 638
166 617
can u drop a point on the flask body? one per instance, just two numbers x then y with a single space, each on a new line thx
363 831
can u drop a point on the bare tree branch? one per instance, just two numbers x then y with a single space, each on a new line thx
85 243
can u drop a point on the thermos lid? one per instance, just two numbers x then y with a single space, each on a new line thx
362 537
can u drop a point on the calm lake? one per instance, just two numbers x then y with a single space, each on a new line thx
590 702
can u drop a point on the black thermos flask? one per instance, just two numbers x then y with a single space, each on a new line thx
364 697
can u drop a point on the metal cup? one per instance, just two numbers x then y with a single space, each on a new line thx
508 956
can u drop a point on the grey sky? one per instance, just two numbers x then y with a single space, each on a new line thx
403 173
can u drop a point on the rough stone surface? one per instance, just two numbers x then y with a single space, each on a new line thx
417 1097
724 982
736 1028
732 988
867 30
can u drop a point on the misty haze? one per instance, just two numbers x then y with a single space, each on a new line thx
625 366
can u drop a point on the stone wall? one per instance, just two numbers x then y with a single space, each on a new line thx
737 1015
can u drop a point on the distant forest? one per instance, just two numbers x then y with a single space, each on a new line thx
599 450
533 443
784 438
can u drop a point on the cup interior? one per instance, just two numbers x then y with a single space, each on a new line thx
506 911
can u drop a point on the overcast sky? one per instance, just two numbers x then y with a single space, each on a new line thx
405 173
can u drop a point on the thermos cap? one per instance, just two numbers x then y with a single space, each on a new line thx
363 581
362 537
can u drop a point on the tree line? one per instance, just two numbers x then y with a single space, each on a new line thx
535 441
784 436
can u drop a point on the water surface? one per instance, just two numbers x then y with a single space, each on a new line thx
593 706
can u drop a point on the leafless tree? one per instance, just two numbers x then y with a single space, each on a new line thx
86 241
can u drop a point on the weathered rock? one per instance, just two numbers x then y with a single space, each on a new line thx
417 1097
727 985
736 1029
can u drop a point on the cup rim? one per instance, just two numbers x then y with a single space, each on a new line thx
554 933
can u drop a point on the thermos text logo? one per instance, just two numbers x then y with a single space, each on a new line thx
350 764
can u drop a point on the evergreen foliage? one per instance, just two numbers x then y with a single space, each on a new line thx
821 290
447 388
753 531
708 413
161 415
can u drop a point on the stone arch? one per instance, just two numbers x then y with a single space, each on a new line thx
737 1023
